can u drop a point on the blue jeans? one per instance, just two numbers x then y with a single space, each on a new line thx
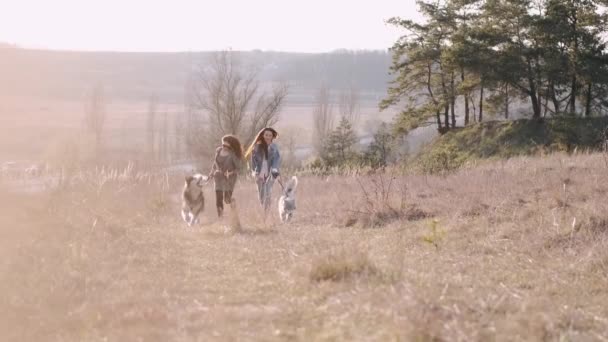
265 191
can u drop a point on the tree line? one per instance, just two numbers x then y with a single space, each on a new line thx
547 54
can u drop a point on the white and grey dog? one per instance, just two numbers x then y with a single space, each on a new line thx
193 200
287 202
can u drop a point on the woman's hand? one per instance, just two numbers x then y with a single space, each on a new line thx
274 173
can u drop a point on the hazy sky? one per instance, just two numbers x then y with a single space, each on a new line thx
178 25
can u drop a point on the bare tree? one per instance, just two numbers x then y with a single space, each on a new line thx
95 114
163 139
178 136
349 105
323 120
151 129
290 136
193 123
232 99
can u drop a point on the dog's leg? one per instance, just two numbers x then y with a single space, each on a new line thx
236 222
185 216
283 216
190 218
281 210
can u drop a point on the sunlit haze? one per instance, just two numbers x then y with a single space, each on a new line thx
183 25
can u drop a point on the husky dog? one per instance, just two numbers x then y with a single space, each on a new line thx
287 202
193 201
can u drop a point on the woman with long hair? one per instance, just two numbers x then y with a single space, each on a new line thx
265 163
227 163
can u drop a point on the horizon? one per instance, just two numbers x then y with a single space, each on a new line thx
42 49
192 26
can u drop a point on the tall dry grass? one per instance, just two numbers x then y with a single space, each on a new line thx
509 250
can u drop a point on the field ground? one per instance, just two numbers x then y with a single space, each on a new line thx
506 251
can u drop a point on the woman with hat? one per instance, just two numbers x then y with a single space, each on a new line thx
265 164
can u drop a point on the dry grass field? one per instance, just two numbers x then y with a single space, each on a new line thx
506 251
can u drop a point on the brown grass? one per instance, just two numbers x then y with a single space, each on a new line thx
342 266
522 255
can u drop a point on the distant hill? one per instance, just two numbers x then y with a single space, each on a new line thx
135 76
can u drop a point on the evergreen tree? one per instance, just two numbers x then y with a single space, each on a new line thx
380 150
338 147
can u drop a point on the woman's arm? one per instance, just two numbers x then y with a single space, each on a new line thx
254 165
214 167
276 160
236 164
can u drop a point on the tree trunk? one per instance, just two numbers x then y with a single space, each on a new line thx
588 100
573 97
446 115
532 91
446 99
453 100
438 121
452 112
534 99
535 106
556 103
481 103
507 101
575 57
466 100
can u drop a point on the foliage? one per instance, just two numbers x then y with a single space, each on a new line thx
506 139
553 53
381 150
339 146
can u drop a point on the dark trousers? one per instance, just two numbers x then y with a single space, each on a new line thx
220 198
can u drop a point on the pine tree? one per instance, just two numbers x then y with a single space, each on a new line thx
338 147
380 150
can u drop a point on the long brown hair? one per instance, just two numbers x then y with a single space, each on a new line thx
259 139
234 144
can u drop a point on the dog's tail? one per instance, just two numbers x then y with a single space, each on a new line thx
294 181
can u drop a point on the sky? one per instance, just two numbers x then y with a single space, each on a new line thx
197 25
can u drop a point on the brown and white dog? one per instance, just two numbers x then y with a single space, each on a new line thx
193 200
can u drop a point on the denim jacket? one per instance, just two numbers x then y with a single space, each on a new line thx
257 157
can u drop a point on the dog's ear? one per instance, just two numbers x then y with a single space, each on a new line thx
189 179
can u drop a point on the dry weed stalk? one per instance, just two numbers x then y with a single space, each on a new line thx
377 208
235 222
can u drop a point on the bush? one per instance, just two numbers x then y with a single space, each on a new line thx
342 266
442 160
